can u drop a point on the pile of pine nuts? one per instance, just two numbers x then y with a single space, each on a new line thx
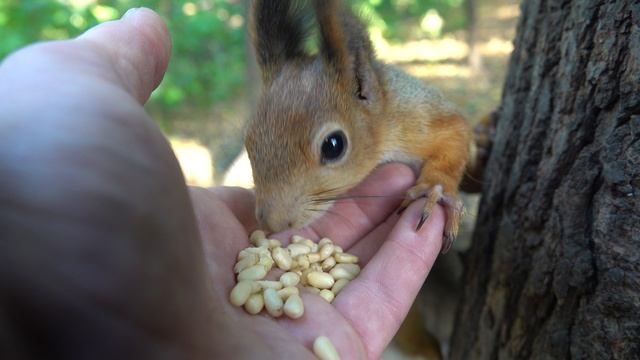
322 268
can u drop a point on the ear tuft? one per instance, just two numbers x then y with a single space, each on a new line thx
346 49
278 29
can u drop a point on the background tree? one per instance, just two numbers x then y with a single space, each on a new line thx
554 270
474 59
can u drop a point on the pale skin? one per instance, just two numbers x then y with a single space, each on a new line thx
105 246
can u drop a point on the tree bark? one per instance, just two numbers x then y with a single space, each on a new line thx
554 269
474 59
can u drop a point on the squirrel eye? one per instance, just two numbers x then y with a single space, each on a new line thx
333 146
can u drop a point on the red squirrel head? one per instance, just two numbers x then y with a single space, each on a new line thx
314 134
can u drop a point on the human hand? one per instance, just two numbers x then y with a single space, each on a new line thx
101 237
366 314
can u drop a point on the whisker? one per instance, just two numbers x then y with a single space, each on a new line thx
338 215
350 197
331 190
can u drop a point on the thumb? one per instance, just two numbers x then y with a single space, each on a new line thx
137 48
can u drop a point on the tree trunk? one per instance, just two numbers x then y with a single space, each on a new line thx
474 59
554 270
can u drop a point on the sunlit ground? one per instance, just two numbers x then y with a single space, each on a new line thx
440 63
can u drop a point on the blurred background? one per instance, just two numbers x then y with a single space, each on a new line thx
460 46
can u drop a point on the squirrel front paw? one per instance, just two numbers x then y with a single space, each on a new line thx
434 194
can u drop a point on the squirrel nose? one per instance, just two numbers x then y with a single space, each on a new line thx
272 220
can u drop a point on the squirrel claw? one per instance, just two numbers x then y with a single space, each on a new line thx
423 219
405 204
452 205
447 241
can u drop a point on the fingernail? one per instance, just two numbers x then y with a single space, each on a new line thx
130 12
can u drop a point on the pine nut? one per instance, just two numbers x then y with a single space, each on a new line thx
247 261
352 268
328 263
337 249
345 271
252 250
273 302
295 239
256 235
310 244
282 258
254 304
298 249
320 280
345 258
289 279
269 284
327 295
326 251
293 307
264 242
324 349
241 292
339 285
288 291
266 261
315 267
274 243
313 257
255 272
324 241
304 280
302 261
341 273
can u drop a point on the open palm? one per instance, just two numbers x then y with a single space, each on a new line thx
366 314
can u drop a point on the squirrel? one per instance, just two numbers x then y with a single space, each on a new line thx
324 121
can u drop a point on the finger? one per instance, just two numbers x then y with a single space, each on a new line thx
390 282
370 204
137 47
241 202
368 246
320 318
222 234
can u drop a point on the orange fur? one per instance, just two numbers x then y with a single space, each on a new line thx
384 114
445 152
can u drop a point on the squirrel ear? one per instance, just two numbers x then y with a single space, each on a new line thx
346 49
278 30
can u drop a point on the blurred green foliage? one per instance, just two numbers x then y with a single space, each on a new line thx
208 62
400 20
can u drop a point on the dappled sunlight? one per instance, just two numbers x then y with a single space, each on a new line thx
189 9
496 47
438 71
195 161
78 3
239 173
507 12
447 48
